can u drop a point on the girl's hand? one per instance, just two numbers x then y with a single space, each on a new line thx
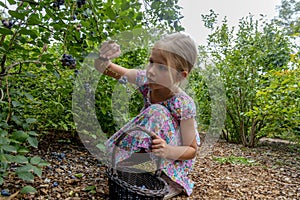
159 146
109 50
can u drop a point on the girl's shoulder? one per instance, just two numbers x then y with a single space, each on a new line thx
182 106
182 99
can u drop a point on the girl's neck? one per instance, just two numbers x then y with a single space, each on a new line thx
162 94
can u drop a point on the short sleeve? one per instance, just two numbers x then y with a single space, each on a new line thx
184 107
141 82
141 78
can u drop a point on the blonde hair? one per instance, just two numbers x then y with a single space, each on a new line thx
179 49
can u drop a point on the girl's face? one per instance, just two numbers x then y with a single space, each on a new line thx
159 74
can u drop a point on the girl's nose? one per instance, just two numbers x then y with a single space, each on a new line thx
151 71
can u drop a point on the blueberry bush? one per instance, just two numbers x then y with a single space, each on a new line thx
42 48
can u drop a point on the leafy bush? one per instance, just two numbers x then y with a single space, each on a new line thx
36 88
278 104
242 57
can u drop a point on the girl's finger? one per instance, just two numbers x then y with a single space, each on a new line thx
111 53
157 141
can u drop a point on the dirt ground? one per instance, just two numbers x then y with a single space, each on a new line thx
229 171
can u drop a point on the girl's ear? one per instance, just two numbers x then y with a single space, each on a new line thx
184 74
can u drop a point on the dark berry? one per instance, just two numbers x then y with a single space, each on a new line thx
62 155
123 80
61 2
56 5
5 193
7 23
55 184
69 61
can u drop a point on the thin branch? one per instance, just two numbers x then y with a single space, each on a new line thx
4 73
9 100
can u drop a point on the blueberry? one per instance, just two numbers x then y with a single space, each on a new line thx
123 80
5 193
62 155
55 184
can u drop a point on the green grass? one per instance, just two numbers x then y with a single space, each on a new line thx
234 160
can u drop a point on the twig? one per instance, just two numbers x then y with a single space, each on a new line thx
9 100
2 94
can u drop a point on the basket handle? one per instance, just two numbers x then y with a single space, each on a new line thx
121 137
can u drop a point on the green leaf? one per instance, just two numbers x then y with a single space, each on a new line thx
16 103
17 14
9 148
1 180
19 136
12 2
3 158
80 175
3 132
35 160
31 33
32 133
20 159
43 163
17 120
30 120
29 96
23 150
110 13
3 5
89 188
6 31
28 190
4 140
26 176
33 142
38 171
34 19
2 49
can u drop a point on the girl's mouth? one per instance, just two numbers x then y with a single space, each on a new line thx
150 80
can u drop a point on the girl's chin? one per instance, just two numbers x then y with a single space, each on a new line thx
155 86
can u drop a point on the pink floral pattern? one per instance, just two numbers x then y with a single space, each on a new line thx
164 119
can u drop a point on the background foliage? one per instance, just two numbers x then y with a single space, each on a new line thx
249 60
257 63
36 87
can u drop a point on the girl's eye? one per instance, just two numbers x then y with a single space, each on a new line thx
162 67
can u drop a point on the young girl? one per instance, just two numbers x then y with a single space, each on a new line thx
169 113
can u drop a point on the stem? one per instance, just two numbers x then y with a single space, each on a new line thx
18 63
9 100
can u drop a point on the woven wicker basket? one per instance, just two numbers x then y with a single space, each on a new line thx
126 183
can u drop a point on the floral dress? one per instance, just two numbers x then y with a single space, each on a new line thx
162 118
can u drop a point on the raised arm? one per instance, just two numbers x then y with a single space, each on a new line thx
109 51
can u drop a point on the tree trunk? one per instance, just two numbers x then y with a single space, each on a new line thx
253 132
242 133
